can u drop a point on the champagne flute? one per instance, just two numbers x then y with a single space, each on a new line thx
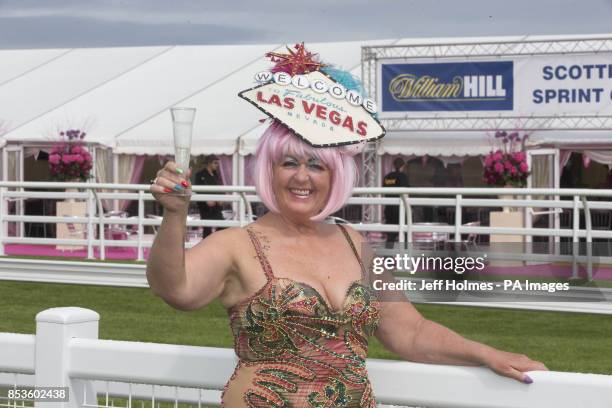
182 127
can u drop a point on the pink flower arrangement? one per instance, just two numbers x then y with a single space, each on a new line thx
69 159
507 165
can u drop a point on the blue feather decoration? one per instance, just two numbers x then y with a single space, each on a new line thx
345 78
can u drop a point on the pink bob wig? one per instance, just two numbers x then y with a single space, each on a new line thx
277 141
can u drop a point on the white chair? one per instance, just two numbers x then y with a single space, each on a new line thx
76 230
472 237
430 240
602 220
116 232
73 231
193 234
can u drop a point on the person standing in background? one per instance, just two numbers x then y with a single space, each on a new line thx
209 176
396 178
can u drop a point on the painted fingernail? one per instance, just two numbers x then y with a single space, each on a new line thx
167 190
527 379
178 187
184 183
178 170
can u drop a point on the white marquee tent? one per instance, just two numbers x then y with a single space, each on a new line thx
122 96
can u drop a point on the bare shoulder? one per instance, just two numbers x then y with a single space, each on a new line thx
355 235
225 245
362 245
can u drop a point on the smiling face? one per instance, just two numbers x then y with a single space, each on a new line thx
301 185
340 172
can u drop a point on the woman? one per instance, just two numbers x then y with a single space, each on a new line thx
293 286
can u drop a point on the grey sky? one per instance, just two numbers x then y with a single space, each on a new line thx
92 23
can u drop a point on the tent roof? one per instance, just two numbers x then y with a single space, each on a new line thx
435 143
222 117
16 63
572 139
126 105
29 100
122 96
139 94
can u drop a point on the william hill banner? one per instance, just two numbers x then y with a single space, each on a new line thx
460 86
515 86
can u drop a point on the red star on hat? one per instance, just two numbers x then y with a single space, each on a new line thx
295 62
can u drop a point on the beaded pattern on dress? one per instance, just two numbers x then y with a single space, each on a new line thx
304 353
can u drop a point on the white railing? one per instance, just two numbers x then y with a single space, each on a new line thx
72 272
243 197
66 352
96 221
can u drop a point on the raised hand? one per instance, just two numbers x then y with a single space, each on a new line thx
171 188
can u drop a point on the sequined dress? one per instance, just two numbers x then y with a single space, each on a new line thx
296 351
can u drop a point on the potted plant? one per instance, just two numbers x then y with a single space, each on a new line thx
506 165
69 160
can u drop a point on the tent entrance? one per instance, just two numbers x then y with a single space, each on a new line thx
544 165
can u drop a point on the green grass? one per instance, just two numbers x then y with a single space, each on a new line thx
564 341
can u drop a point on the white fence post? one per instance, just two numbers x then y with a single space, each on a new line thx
3 228
54 330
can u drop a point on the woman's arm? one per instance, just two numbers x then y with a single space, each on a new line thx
186 280
405 332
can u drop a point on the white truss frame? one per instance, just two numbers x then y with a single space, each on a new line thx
372 55
490 123
369 174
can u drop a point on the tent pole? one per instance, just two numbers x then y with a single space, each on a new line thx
241 204
115 178
235 181
4 205
92 149
4 164
378 175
